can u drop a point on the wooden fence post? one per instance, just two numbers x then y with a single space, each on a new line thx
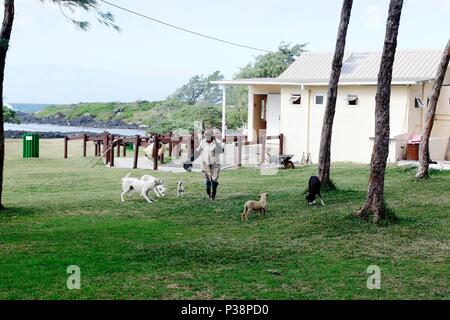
111 150
137 143
124 151
191 147
111 153
239 151
66 139
262 140
281 149
105 147
118 148
155 151
84 144
170 144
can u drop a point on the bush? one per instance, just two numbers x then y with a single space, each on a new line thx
9 115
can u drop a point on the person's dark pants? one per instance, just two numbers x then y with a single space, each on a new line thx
208 188
211 188
211 174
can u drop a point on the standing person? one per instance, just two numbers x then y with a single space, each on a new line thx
209 150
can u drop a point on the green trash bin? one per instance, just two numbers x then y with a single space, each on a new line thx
30 145
130 146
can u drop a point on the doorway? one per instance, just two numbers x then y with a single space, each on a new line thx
259 113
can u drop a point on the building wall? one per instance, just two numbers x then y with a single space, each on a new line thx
294 122
353 129
441 129
415 115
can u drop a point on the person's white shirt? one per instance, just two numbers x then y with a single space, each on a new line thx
210 152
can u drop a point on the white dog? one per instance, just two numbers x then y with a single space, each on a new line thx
142 186
159 188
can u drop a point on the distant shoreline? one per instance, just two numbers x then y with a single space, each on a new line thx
83 121
50 131
28 107
13 134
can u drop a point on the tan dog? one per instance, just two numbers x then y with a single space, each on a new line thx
251 205
149 151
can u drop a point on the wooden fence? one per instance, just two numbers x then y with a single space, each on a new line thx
108 146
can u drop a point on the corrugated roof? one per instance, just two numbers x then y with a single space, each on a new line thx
262 81
362 67
305 82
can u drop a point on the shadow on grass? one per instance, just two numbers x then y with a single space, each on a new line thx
389 218
339 221
342 195
20 211
403 169
201 253
330 186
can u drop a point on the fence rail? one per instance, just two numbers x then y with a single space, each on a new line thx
108 146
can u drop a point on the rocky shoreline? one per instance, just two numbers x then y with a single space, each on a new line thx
83 121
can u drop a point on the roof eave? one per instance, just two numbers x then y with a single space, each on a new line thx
314 83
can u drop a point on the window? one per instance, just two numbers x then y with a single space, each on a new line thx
419 103
263 109
319 99
296 98
352 100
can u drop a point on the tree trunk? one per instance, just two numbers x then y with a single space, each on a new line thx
328 118
424 150
374 204
5 35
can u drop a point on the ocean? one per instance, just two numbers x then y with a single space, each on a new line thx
34 127
28 107
37 127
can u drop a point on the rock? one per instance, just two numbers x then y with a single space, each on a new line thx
86 120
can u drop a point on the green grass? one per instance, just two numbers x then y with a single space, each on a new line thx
59 213
129 112
160 116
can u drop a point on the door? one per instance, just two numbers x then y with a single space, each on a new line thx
273 114
259 114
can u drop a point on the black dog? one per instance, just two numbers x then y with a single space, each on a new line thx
314 190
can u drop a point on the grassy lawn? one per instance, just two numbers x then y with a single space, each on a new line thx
60 213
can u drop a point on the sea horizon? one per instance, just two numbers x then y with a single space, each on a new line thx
42 127
28 107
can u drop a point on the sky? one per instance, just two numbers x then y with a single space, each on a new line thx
50 61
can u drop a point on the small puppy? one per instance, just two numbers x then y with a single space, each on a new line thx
180 188
251 205
314 190
161 190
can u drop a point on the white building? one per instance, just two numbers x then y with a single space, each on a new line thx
294 104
